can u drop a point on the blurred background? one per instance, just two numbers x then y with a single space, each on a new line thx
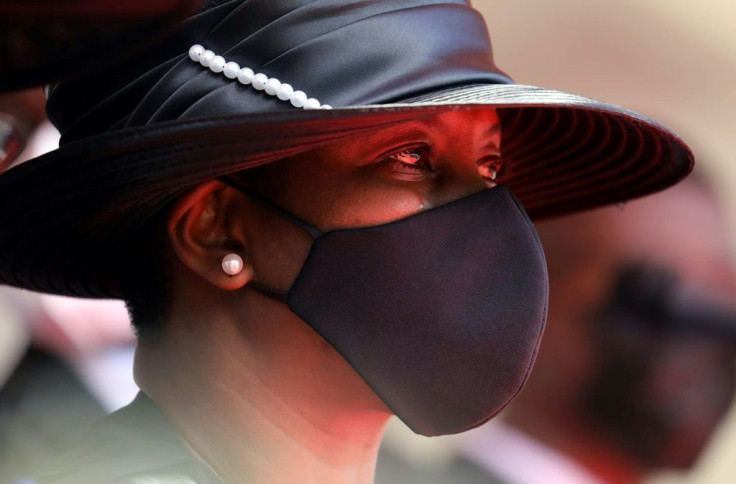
674 61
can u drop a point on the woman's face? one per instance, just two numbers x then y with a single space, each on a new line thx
368 180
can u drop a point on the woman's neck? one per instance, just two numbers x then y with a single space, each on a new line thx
264 402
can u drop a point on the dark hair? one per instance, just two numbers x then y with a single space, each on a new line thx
145 280
145 284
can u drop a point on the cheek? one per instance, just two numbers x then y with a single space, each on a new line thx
364 206
356 200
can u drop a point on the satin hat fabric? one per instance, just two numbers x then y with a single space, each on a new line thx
137 135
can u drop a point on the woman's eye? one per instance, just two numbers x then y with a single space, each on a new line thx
411 161
409 157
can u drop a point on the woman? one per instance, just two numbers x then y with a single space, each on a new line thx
299 267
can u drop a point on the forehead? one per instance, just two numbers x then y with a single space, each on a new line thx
482 121
467 126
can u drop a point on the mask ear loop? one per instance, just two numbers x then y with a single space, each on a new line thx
272 293
310 229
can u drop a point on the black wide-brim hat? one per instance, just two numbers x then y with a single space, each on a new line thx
137 135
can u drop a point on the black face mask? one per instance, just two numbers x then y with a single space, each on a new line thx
664 377
441 313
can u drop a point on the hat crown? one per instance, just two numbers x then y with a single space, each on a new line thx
345 53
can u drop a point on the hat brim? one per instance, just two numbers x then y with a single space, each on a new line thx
68 215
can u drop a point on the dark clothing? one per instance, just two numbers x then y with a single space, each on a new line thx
134 445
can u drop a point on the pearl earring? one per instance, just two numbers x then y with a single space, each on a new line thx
232 264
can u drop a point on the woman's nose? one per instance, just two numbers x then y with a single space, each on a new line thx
458 179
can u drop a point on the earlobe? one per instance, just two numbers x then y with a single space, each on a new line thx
204 236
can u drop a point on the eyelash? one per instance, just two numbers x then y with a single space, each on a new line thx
421 167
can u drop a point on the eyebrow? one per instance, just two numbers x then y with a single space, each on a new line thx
401 132
426 128
423 128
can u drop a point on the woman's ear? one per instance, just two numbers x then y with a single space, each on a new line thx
203 230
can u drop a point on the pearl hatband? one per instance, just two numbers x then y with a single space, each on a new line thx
246 76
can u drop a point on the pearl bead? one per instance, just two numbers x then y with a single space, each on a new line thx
217 64
311 104
259 81
272 85
245 75
232 264
195 52
298 99
231 70
284 92
206 58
